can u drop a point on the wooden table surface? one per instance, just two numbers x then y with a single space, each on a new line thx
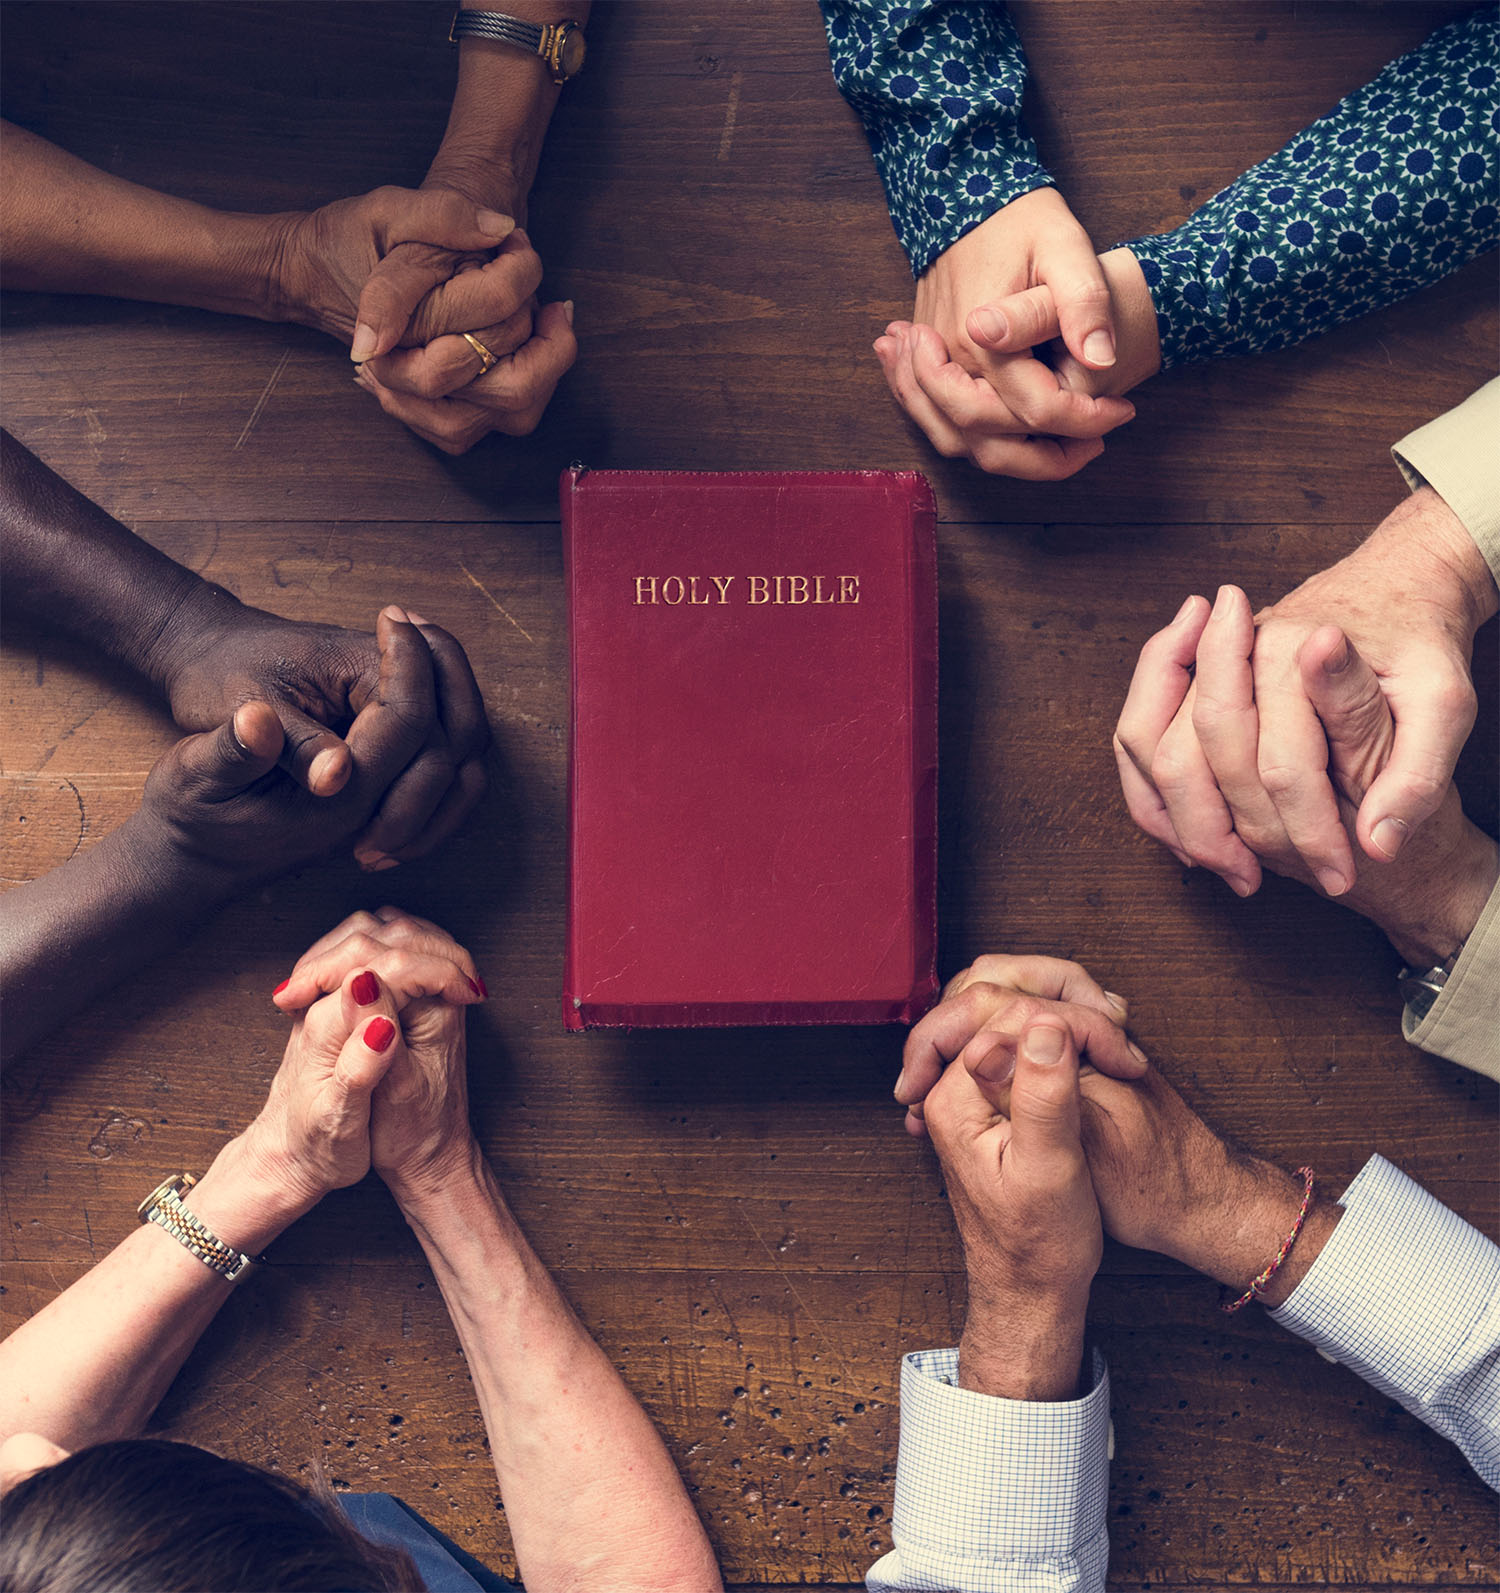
737 1216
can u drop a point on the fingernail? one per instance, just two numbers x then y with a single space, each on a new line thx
477 986
1240 887
416 618
378 865
393 612
1099 347
1119 1003
992 325
1337 663
1332 881
900 1084
365 989
568 310
1221 600
1390 835
1044 1043
1184 611
320 768
364 342
496 225
282 986
1135 1051
379 1032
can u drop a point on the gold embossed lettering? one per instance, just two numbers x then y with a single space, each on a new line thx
760 588
848 589
645 589
797 591
723 584
693 595
668 582
818 596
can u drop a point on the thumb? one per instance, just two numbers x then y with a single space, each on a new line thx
1076 278
1014 324
1392 745
223 762
316 757
1044 1109
1345 693
367 1056
445 221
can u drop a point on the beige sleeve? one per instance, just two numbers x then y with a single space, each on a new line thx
1458 456
1464 1022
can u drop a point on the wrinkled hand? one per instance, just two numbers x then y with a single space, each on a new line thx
1410 601
420 1131
439 394
218 800
985 1009
313 1133
318 679
399 274
1167 1182
1008 1138
1199 784
964 368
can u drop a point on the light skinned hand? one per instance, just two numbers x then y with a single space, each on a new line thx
420 1133
313 1133
1008 412
1009 1139
1199 788
985 1009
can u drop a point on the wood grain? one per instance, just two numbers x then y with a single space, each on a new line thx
736 1215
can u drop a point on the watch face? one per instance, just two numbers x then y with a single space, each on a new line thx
570 60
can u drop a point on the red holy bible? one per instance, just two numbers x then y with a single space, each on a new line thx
752 777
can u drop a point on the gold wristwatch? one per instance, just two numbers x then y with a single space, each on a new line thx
164 1207
561 45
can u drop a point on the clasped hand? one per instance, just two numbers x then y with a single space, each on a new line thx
374 1071
264 690
967 369
400 274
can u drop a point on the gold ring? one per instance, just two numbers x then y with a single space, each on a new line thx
486 359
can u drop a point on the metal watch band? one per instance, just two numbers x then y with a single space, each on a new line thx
559 46
1420 987
496 25
164 1207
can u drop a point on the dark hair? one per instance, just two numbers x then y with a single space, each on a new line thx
146 1516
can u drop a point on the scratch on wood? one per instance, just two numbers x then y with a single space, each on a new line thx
731 115
263 400
483 588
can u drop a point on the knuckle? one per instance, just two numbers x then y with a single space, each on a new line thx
1280 778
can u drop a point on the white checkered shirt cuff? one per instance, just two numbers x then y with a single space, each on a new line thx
1407 1294
997 1495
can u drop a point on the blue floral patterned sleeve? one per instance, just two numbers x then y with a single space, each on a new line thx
938 86
1393 189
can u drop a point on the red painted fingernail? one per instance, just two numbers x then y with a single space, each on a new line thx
366 992
282 986
484 989
379 1032
474 986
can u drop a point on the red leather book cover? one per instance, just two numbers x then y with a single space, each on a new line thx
752 783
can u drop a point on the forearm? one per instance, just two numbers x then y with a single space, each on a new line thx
71 228
501 107
942 112
73 568
1025 1349
1388 192
94 1363
591 1495
71 935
